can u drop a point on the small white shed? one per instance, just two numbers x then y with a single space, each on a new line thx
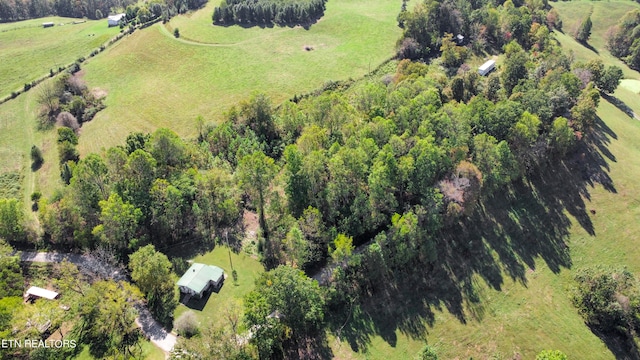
35 292
487 67
114 20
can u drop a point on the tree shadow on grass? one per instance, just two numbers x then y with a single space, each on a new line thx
528 221
621 105
622 346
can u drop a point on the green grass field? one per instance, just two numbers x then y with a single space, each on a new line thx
248 270
154 80
28 51
17 134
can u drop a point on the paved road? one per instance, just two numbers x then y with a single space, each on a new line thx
151 328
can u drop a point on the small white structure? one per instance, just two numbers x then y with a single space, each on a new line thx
47 24
487 67
114 20
35 292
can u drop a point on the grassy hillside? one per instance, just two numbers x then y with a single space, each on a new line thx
510 294
28 51
17 134
604 15
153 79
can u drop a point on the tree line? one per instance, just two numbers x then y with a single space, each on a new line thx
14 10
623 40
266 12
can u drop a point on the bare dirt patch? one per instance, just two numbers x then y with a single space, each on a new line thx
98 93
250 221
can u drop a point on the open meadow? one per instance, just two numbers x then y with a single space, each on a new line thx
28 51
154 80
17 134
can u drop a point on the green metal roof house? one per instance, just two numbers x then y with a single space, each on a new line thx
199 278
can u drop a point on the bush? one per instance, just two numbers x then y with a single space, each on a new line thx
608 299
551 355
67 119
176 33
74 68
427 353
36 158
187 325
35 196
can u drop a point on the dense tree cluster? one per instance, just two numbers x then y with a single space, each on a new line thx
149 191
608 300
14 10
266 12
623 40
485 24
67 101
285 309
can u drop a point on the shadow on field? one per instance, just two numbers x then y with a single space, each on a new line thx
506 234
622 346
621 105
191 248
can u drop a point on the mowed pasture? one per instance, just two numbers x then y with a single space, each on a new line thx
17 134
154 80
28 51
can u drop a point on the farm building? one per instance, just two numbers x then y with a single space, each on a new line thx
35 292
114 20
47 24
487 67
200 278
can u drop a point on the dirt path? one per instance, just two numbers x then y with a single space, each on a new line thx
151 328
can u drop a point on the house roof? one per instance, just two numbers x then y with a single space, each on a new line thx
487 65
43 293
199 275
116 17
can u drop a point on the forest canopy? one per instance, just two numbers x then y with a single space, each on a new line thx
268 12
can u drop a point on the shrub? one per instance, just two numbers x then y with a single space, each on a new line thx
176 33
607 299
67 152
36 158
35 196
67 119
187 325
427 353
74 68
551 355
